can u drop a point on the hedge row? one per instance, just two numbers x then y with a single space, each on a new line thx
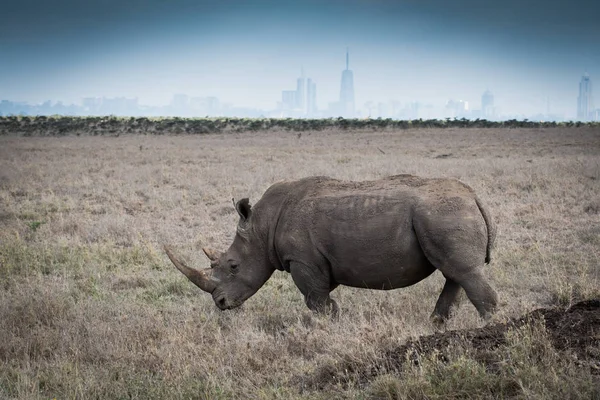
110 125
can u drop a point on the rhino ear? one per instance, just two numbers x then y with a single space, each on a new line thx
243 208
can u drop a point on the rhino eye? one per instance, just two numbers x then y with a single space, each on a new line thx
234 267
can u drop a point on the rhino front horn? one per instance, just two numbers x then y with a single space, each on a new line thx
211 254
202 279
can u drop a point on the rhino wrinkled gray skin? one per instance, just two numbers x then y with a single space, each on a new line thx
383 234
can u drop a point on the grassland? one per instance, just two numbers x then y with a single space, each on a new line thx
91 308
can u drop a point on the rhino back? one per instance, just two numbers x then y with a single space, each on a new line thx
362 231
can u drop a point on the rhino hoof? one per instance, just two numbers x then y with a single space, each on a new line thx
438 322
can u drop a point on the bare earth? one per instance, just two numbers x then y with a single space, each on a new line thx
90 306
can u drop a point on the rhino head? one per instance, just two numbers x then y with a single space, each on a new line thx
238 273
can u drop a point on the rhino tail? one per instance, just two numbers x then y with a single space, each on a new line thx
491 228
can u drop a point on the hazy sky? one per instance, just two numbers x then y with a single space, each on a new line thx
246 52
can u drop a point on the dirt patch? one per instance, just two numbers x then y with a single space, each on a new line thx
575 331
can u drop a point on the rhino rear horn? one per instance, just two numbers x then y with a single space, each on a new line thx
211 254
202 279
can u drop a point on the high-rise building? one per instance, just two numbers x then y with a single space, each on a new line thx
288 99
347 90
585 103
300 99
487 105
457 108
311 97
299 102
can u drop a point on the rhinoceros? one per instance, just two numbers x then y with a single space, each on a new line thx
381 234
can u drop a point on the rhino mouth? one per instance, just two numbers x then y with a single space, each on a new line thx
223 304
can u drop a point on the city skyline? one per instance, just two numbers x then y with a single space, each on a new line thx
196 106
302 103
245 53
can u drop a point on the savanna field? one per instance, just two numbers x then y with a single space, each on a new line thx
91 307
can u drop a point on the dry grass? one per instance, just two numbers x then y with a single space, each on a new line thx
91 308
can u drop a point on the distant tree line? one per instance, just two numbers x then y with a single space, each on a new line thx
110 125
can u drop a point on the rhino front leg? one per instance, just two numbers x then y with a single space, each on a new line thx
315 285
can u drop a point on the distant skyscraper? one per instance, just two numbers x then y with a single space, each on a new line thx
311 97
487 104
300 99
288 99
457 108
347 90
585 103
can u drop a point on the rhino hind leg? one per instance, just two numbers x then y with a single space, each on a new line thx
481 294
459 252
478 290
445 302
315 286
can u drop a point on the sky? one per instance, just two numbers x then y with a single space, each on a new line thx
528 52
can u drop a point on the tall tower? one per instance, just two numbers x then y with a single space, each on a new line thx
487 104
585 103
347 90
300 93
311 97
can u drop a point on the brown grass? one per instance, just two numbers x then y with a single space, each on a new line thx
91 308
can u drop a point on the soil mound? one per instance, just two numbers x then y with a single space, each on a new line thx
576 331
